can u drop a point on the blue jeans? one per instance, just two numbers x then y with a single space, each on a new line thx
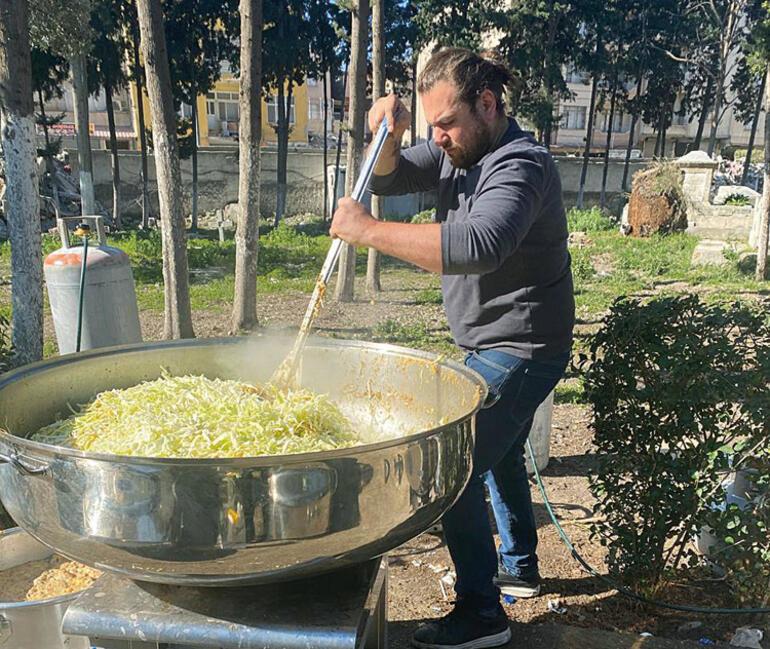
517 387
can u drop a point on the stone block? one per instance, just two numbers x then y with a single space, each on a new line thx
710 252
726 191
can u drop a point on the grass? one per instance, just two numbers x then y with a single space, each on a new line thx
605 265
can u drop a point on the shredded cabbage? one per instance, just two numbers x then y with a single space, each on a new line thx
198 417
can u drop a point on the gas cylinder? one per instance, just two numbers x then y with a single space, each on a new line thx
109 315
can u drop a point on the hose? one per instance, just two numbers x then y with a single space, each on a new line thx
83 231
622 589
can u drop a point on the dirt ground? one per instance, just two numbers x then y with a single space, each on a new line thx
416 568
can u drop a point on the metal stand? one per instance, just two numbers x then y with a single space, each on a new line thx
346 609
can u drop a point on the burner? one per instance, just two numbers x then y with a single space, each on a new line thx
342 609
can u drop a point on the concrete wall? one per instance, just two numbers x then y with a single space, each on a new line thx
218 180
570 168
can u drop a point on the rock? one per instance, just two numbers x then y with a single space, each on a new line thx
725 191
696 157
231 212
689 626
747 637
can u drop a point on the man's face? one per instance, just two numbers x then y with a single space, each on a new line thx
465 134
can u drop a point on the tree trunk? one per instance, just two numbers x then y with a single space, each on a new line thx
703 114
715 116
553 23
41 102
17 135
117 221
344 290
634 118
339 140
589 134
373 284
664 130
142 135
413 107
326 138
613 99
754 124
85 165
282 131
177 315
194 134
764 224
249 164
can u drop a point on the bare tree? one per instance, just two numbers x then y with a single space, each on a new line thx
249 136
177 321
373 284
721 24
764 223
22 207
344 290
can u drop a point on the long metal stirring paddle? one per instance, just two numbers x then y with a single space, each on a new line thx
284 375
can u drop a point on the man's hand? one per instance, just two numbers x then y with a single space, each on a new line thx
352 222
399 118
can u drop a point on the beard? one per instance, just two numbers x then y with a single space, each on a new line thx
480 142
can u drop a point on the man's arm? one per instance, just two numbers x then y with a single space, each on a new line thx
418 244
401 172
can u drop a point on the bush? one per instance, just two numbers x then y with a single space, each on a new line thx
737 199
426 216
679 391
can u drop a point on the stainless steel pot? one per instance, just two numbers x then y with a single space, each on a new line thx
32 625
242 520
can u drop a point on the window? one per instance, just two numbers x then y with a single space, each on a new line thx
620 122
678 119
573 117
272 110
577 76
223 106
315 108
186 111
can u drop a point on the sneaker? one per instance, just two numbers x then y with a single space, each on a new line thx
464 628
517 586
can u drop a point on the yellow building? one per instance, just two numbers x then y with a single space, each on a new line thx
218 114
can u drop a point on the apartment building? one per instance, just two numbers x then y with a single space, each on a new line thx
570 135
218 115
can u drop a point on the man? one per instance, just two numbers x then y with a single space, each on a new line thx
500 244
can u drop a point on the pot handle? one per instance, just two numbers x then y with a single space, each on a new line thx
21 466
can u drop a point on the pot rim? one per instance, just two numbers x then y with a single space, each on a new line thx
258 461
59 599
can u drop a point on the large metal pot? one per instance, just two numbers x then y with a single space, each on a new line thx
32 625
242 520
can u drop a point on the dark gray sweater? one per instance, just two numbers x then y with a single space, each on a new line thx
506 277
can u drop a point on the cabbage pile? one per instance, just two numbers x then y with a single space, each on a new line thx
198 417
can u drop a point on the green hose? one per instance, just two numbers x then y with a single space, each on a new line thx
83 230
621 589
